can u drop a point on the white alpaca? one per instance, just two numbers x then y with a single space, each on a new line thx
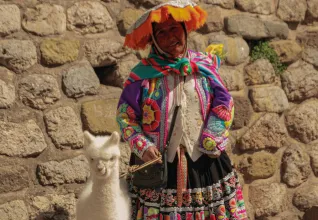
105 196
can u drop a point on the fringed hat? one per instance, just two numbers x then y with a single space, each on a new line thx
139 34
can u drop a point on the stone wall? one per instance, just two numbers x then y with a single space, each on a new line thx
62 67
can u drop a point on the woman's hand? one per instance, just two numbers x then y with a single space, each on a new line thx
150 154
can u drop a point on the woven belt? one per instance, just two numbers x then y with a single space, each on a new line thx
182 174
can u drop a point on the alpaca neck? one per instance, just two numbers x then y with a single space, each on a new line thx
106 188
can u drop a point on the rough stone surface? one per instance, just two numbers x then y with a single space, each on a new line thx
251 27
39 91
237 51
214 23
287 215
17 55
53 206
233 78
104 52
302 121
64 127
88 17
305 88
197 42
75 170
99 116
269 99
260 71
268 199
45 19
21 140
229 4
312 8
309 41
124 157
260 165
287 50
306 197
80 80
243 111
117 75
314 159
7 88
59 52
13 178
295 166
256 6
292 10
267 132
14 210
147 3
10 20
128 18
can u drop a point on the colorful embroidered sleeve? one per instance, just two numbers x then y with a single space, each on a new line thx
129 119
220 117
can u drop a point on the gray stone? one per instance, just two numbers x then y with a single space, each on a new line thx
39 91
14 210
13 178
124 157
296 89
99 116
260 165
256 6
314 159
7 88
313 8
292 10
268 199
302 121
267 132
75 170
59 207
17 55
287 215
287 50
259 72
243 111
251 27
229 4
64 127
88 17
295 166
10 20
214 23
104 52
21 140
128 18
116 76
197 42
232 77
45 19
269 99
237 51
148 3
309 41
306 196
80 80
58 51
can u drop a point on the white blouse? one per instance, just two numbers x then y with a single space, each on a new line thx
188 126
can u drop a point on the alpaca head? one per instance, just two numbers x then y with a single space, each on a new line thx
103 154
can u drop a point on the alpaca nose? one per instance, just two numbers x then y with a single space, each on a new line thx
100 166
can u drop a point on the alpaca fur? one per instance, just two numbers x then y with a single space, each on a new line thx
105 196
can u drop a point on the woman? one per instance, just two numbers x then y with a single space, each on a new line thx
173 76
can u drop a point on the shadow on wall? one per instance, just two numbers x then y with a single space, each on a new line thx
58 214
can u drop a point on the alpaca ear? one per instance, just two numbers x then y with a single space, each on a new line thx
114 138
88 138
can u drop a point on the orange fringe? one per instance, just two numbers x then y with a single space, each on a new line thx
193 17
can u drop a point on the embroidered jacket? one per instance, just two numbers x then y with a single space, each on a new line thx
143 111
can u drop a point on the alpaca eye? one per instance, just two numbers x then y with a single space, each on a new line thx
112 158
92 159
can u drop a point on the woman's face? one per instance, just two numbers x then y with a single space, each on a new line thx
170 37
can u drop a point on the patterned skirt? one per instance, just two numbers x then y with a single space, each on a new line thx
213 193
